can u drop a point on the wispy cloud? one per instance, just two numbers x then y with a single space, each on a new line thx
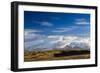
46 23
28 31
82 21
43 23
61 30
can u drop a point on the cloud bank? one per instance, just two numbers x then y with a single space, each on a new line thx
36 41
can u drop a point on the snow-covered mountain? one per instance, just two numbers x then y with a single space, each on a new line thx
56 42
80 45
77 46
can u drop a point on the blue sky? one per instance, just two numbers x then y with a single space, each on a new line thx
51 23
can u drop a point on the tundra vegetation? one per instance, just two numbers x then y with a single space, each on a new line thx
56 55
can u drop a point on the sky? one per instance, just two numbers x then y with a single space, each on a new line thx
48 23
40 27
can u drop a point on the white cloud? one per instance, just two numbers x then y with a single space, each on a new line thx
81 21
45 23
29 31
61 30
29 34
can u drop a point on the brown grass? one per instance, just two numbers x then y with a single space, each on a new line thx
50 55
